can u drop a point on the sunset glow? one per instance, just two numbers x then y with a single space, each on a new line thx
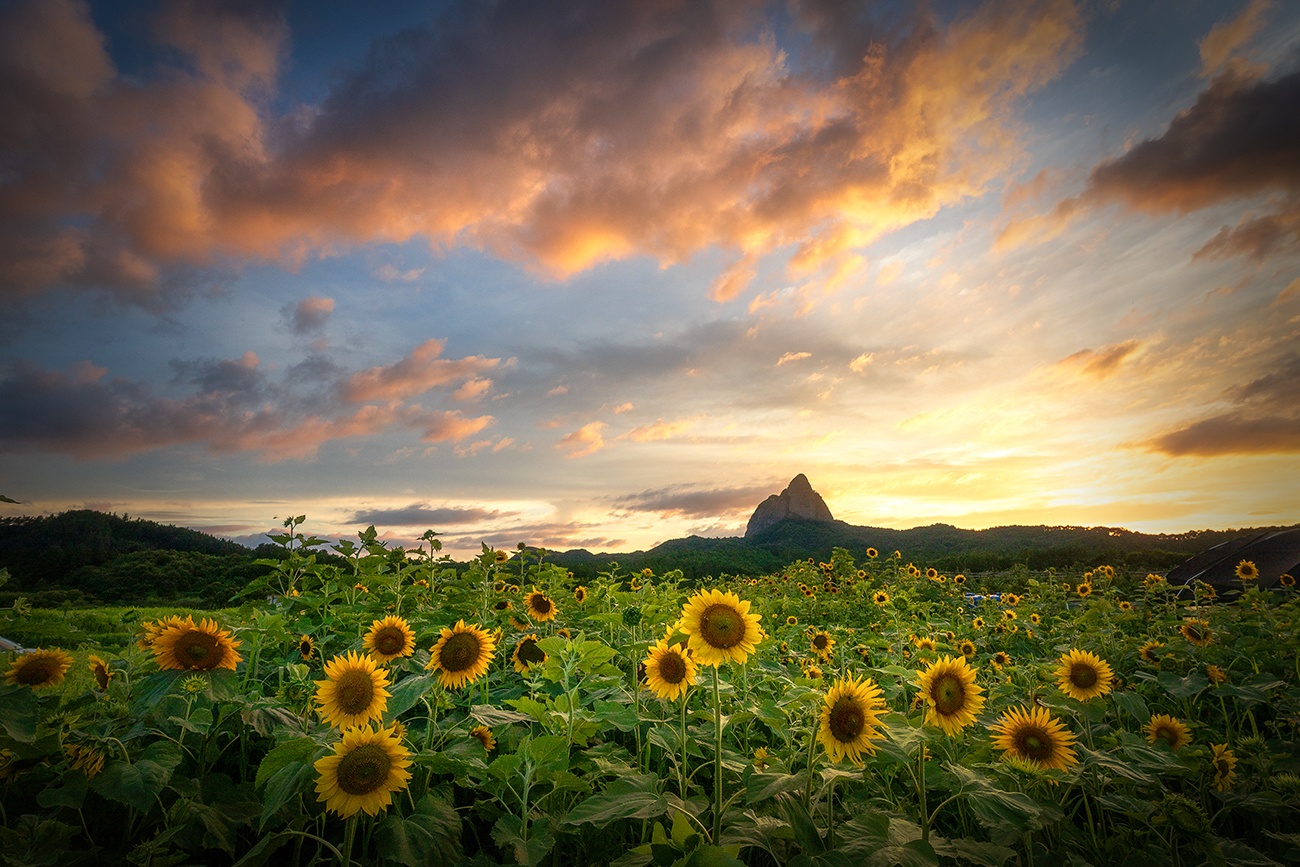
594 274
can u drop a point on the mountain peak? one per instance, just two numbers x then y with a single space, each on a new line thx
798 500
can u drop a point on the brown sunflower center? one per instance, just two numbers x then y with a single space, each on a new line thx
1168 735
819 641
540 604
364 769
460 652
672 668
722 626
847 720
354 691
1083 675
530 653
305 647
101 674
37 672
1034 743
390 640
198 650
948 694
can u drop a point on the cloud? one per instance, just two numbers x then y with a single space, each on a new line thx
660 430
792 356
1265 419
1099 363
557 136
1223 41
418 372
586 440
309 315
696 503
424 515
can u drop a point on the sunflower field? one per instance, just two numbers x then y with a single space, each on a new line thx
407 709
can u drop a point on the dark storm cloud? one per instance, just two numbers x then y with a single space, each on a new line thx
309 315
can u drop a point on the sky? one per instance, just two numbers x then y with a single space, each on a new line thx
594 274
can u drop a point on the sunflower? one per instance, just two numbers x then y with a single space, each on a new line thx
186 646
719 627
1286 579
306 647
1225 763
367 767
527 654
361 588
959 578
669 669
519 623
1008 614
563 632
792 621
1153 581
389 639
1172 731
977 623
502 605
1198 632
850 720
1216 674
1247 570
1084 675
924 643
1084 590
1148 651
1000 659
39 668
1011 599
1035 618
580 594
951 694
1126 605
822 645
352 693
99 670
932 573
1035 738
85 758
539 606
813 672
462 655
761 759
484 735
967 648
880 597
872 553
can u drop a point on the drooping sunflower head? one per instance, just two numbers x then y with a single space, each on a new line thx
880 597
484 735
1034 737
389 639
1215 674
951 695
580 594
186 646
851 720
822 644
306 647
1149 651
1083 675
967 648
84 757
100 671
462 655
527 654
540 607
669 669
1225 765
720 628
1198 632
1247 570
364 771
1171 730
353 692
39 669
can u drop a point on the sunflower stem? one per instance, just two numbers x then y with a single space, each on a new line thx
920 788
681 763
717 759
349 836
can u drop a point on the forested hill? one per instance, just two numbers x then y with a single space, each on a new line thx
940 545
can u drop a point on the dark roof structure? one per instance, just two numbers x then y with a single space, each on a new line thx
1274 553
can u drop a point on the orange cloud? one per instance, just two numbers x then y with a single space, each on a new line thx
1223 41
1099 363
586 440
640 129
415 374
1231 434
660 430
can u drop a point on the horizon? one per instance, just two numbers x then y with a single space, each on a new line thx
593 275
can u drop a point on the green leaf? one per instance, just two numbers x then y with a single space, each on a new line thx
1114 764
1183 687
627 798
71 794
299 750
1132 704
712 856
760 787
18 713
139 783
283 786
495 716
429 836
972 851
406 694
548 750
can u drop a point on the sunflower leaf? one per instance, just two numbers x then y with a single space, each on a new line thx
635 797
406 694
297 750
428 836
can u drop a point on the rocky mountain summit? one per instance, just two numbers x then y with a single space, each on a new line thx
798 500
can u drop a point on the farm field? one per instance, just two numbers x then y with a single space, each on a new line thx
863 710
